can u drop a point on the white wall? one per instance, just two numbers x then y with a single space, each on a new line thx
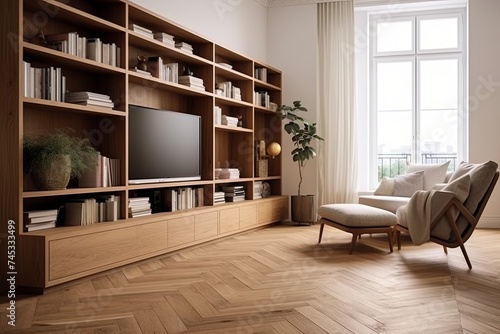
292 48
484 93
239 25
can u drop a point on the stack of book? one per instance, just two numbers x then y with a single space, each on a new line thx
142 30
257 190
229 120
183 46
40 219
139 206
168 72
164 38
234 193
44 83
191 81
219 197
229 173
89 99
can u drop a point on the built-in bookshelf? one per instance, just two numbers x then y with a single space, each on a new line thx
82 69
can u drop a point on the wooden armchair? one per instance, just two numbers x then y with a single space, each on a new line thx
462 226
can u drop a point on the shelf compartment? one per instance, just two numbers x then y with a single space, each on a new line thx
139 15
40 104
274 76
141 82
240 64
234 150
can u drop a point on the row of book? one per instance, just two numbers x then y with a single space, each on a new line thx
89 99
106 173
183 198
91 48
217 115
168 72
139 206
87 211
261 74
162 37
257 190
44 83
262 99
39 219
234 193
227 89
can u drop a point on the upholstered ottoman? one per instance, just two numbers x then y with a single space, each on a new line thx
357 219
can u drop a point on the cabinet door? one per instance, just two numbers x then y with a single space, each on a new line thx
75 255
153 237
264 212
229 220
248 216
280 209
206 225
180 231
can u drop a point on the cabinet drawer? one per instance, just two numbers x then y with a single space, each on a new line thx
206 225
229 220
153 237
264 212
180 231
248 216
74 255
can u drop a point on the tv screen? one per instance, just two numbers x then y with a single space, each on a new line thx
163 146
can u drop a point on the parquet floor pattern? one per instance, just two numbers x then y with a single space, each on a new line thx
279 280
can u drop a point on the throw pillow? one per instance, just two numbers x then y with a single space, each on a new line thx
407 184
386 187
460 187
433 173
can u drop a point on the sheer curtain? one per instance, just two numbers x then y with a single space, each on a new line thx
337 155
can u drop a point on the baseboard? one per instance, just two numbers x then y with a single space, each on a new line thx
489 222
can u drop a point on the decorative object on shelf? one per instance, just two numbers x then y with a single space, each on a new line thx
142 63
53 158
303 133
266 190
262 159
217 173
240 120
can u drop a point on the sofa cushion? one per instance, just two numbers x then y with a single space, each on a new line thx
433 173
386 187
408 184
389 203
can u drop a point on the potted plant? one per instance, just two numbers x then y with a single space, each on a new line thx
54 157
303 134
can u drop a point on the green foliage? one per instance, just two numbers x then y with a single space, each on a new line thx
40 149
302 132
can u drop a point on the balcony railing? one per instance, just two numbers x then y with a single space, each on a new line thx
390 165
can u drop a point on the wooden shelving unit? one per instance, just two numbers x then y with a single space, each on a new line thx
46 258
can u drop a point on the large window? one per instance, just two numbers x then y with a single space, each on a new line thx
417 92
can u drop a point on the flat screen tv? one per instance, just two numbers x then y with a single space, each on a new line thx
163 146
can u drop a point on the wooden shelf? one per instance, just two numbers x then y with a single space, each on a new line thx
46 258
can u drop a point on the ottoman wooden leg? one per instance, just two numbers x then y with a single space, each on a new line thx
321 232
353 242
389 235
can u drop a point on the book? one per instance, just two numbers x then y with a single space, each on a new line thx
40 226
40 213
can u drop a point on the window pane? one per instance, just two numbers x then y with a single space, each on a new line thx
439 34
439 84
395 86
439 136
394 132
394 36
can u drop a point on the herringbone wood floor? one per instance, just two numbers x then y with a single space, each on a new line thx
279 280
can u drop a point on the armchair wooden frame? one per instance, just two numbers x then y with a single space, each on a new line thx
458 240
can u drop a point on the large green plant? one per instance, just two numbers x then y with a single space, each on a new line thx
303 134
39 149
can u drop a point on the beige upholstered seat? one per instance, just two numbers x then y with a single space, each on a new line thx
356 219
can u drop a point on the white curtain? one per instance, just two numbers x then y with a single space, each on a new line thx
337 155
